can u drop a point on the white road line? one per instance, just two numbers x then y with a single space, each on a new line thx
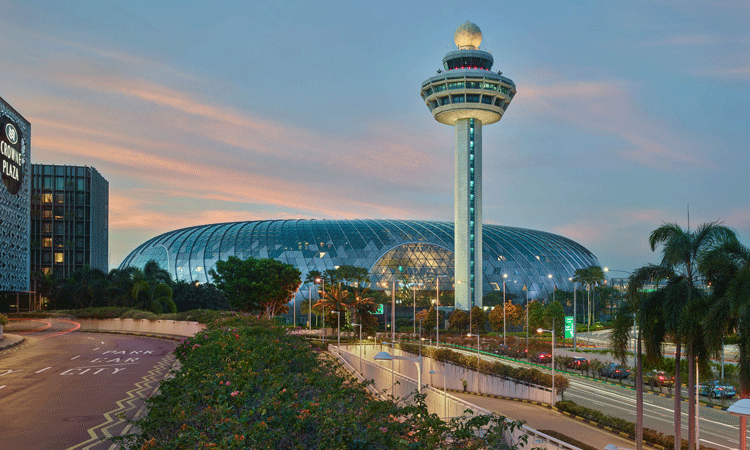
89 338
97 348
3 386
42 370
76 356
102 343
714 443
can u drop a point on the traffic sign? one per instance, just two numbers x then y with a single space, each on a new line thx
570 327
380 310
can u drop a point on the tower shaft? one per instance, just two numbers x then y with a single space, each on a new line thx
468 213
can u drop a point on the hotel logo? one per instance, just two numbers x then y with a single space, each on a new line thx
11 156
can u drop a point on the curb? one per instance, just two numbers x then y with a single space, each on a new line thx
23 339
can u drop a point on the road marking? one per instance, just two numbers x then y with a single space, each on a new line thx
87 337
9 371
76 356
714 443
3 386
97 348
42 370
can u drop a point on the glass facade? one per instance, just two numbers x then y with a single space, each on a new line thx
69 219
389 249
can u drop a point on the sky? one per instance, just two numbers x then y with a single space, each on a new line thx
628 114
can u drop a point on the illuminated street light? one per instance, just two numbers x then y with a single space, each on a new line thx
445 396
541 330
385 356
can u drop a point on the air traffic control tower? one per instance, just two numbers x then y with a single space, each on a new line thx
467 95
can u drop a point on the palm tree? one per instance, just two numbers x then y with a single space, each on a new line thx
334 299
727 269
682 251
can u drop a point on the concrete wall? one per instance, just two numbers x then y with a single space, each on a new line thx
389 383
484 384
167 327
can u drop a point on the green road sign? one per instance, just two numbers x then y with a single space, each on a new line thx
380 310
570 327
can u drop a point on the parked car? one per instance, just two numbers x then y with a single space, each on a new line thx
613 370
658 378
501 349
717 388
578 363
542 357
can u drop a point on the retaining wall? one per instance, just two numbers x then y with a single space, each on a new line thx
167 327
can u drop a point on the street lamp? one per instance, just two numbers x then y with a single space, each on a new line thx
385 356
338 330
505 276
445 396
360 344
309 308
323 280
541 330
575 316
477 335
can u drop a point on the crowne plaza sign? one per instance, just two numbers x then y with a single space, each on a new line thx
12 157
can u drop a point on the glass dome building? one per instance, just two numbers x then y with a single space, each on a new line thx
419 251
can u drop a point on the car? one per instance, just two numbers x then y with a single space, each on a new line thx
613 370
518 353
578 363
542 357
717 388
501 349
658 378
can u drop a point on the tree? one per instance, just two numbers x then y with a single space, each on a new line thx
555 310
189 296
153 295
514 314
727 269
49 285
535 314
682 251
478 320
496 298
84 289
590 276
429 319
459 320
262 286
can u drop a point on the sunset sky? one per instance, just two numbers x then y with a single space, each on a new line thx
203 112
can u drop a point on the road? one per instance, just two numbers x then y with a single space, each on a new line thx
63 389
717 428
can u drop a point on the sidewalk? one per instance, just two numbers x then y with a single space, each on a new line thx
10 340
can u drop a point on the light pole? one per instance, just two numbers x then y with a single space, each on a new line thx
541 330
478 358
338 330
505 276
414 305
437 312
323 280
393 311
360 344
575 316
527 319
309 308
385 356
445 396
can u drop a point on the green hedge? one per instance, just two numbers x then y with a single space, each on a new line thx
247 383
494 368
114 312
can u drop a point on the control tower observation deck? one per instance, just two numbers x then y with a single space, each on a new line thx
467 95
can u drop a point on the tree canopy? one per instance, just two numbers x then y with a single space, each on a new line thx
262 286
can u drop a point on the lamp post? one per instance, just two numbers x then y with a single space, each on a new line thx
323 280
541 330
527 319
437 312
338 330
445 396
414 305
393 311
575 316
505 276
478 358
360 344
309 308
385 356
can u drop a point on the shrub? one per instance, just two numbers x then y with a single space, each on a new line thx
247 383
3 319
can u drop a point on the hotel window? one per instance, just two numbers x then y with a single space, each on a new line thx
46 227
46 198
47 214
59 197
59 257
46 242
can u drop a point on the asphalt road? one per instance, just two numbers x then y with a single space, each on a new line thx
717 428
63 389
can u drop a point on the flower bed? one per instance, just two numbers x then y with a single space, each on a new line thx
247 383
